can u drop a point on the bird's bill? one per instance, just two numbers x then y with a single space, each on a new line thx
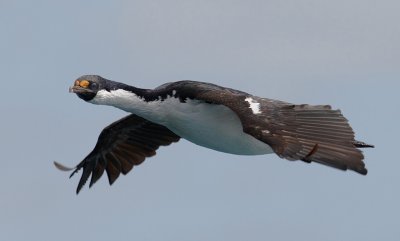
79 90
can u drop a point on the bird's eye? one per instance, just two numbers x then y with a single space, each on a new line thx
94 86
84 83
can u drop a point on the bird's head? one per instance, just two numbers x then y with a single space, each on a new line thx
100 91
87 86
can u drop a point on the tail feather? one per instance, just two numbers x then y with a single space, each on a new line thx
360 144
319 134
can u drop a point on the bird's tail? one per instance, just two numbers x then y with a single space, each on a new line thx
319 134
360 144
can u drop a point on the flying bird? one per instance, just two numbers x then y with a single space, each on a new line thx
219 118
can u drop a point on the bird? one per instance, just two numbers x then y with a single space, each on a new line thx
212 116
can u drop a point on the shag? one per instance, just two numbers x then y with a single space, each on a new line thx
219 118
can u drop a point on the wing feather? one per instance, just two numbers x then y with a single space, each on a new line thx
120 146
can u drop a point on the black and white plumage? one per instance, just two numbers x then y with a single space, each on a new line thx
215 117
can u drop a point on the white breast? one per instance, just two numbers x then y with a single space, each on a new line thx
213 126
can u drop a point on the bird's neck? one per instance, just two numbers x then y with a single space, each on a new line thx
130 99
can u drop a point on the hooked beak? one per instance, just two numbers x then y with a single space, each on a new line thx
77 89
72 89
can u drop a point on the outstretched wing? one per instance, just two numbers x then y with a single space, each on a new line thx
295 132
120 146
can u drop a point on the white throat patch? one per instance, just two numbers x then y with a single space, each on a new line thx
254 105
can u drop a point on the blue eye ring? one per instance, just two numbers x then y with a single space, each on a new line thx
94 85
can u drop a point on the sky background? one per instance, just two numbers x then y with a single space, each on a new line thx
344 52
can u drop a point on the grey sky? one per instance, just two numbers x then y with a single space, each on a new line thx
343 53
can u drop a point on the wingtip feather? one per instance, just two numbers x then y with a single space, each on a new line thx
63 168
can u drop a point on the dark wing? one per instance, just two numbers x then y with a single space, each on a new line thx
120 146
295 132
